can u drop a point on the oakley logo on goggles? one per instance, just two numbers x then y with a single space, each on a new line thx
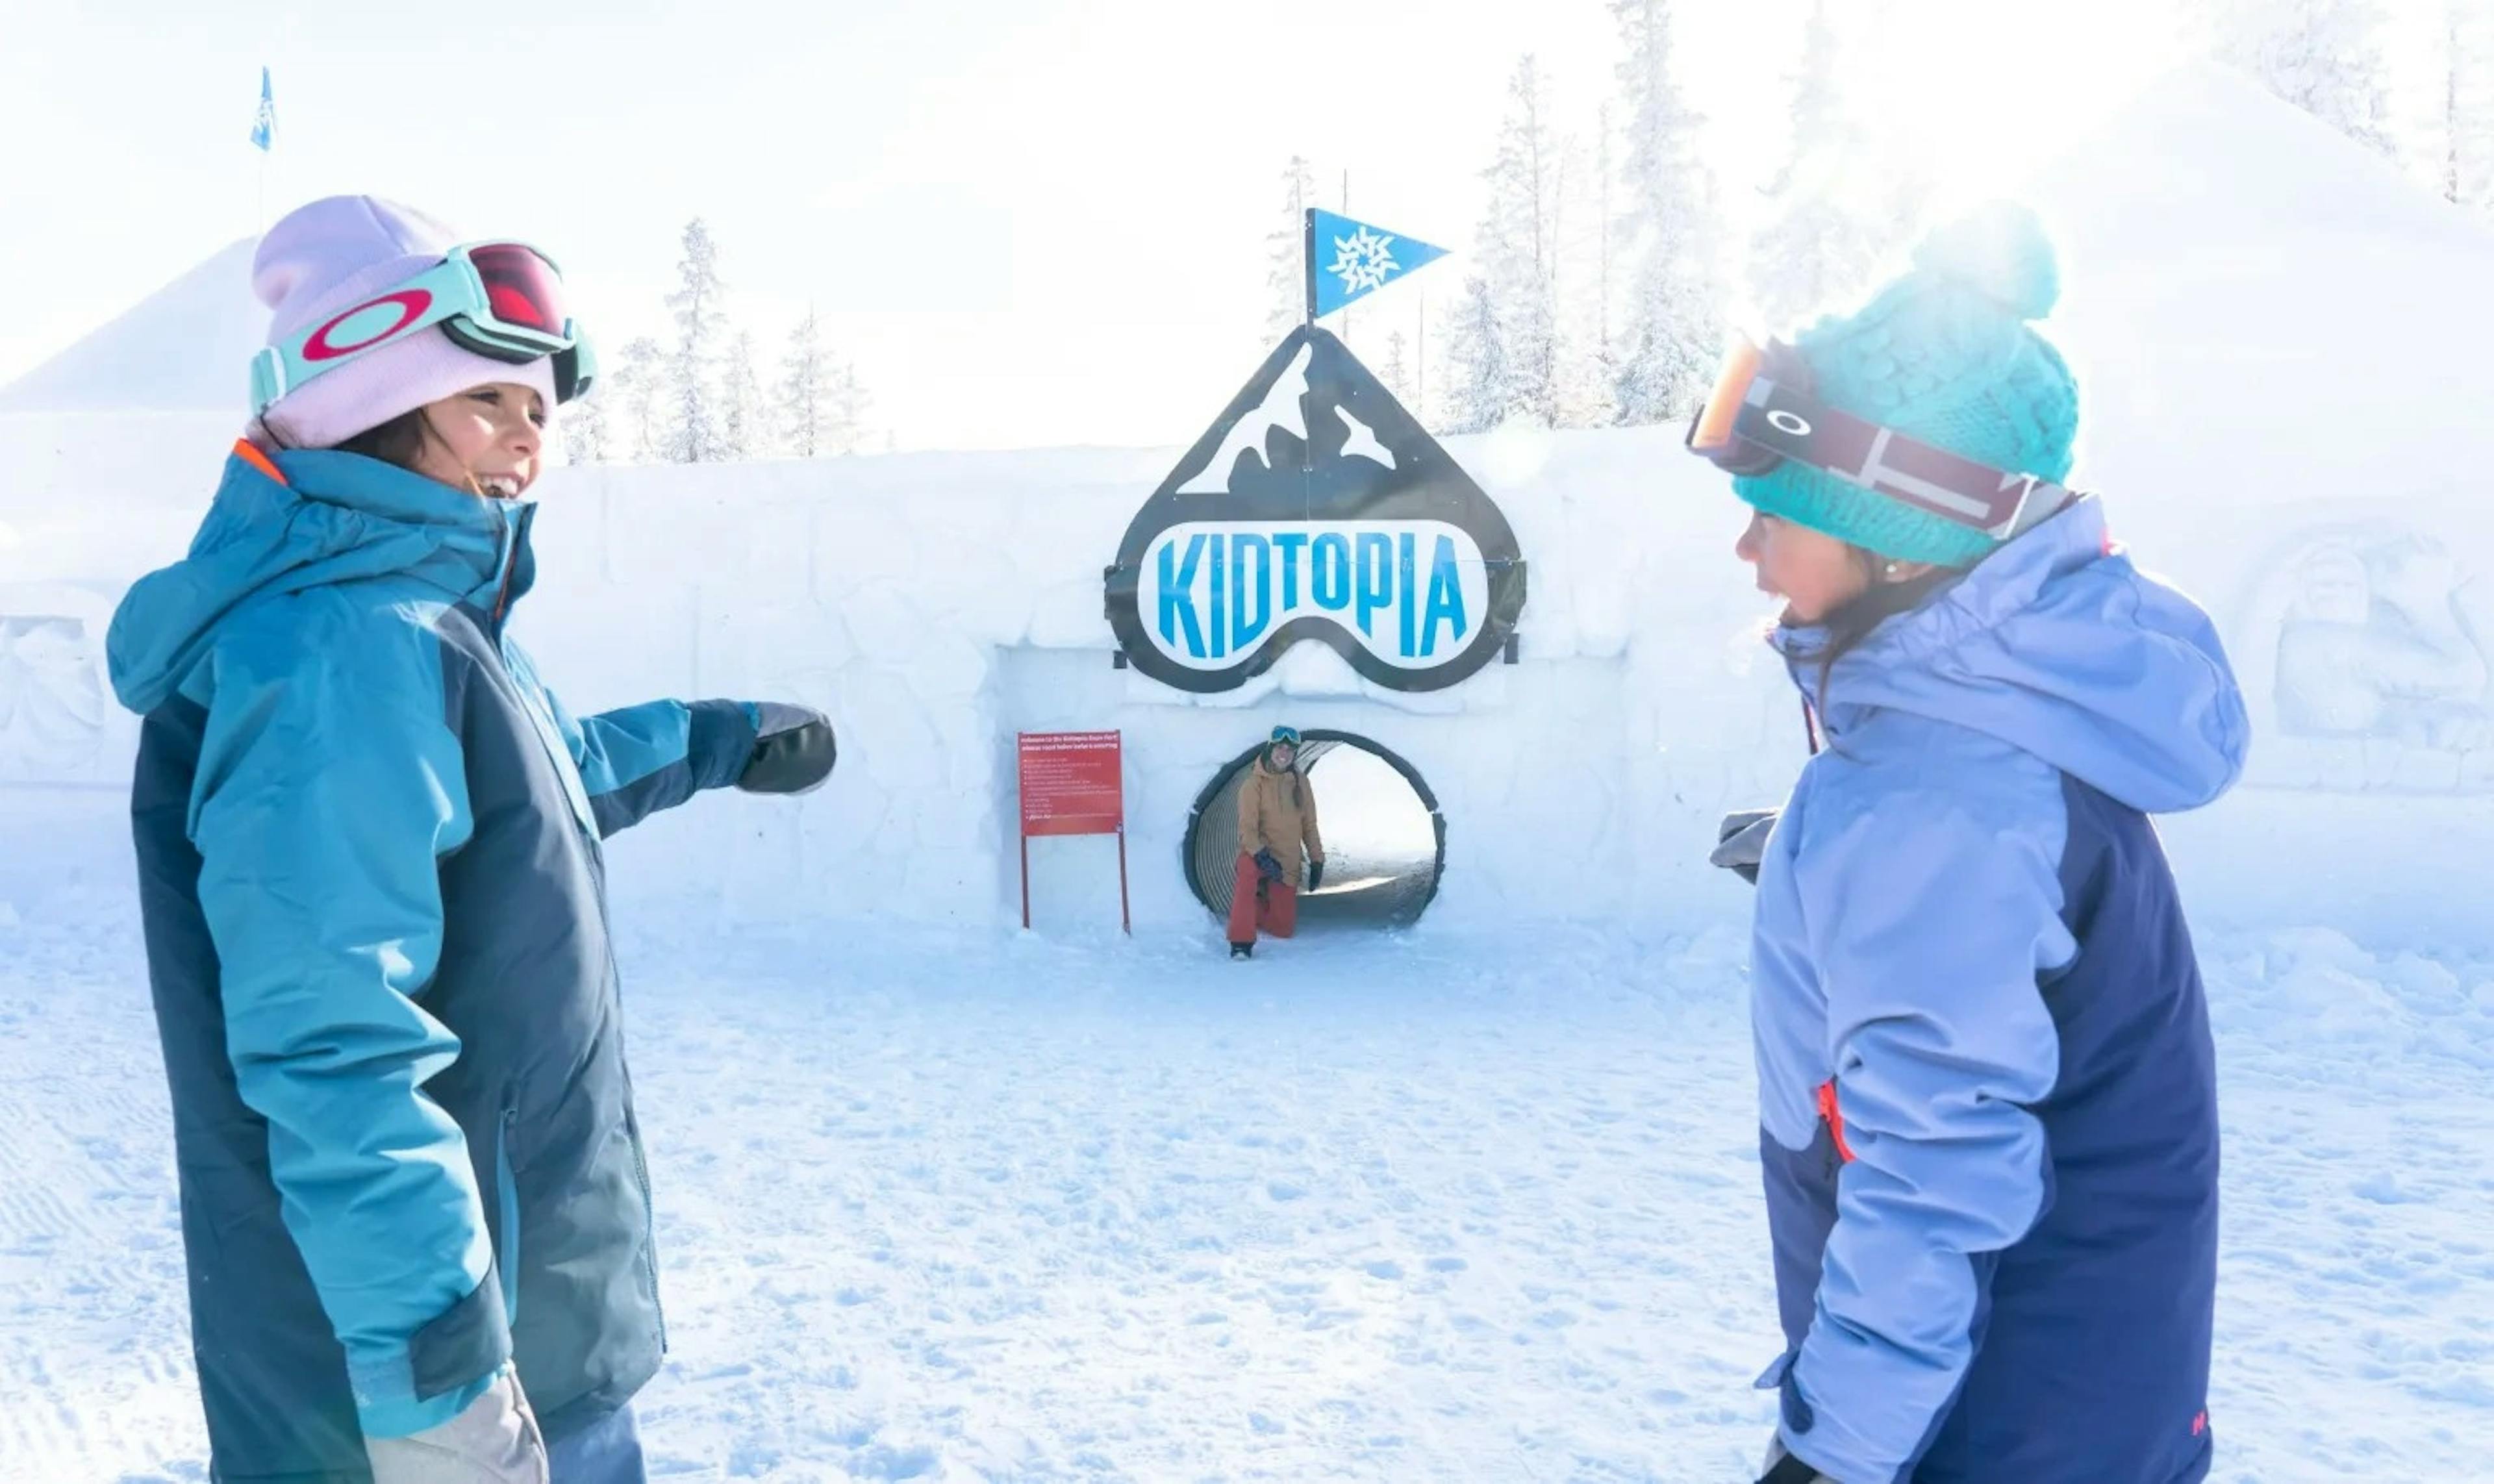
1763 413
499 299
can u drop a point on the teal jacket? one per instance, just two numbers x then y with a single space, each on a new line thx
374 891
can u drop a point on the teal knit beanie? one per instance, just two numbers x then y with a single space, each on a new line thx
1943 354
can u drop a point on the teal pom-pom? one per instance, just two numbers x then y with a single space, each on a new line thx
2001 252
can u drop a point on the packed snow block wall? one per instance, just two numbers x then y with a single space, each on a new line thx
97 497
938 605
2363 630
935 605
2275 338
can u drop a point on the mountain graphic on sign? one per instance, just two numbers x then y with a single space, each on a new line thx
1313 447
1281 411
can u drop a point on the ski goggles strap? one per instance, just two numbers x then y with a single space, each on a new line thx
1763 413
502 300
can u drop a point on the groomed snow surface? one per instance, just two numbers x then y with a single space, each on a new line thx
1454 1204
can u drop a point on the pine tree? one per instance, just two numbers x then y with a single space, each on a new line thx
639 377
693 427
1583 367
1815 246
582 423
742 432
1601 366
2324 56
1285 283
1517 248
1671 325
1396 373
849 402
2468 105
804 391
1478 381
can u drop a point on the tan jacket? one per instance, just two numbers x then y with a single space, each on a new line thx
1277 812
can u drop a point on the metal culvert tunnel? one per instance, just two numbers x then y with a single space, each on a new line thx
1386 843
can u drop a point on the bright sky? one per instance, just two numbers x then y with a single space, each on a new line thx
1031 222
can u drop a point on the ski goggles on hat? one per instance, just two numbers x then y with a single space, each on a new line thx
502 300
1286 735
1763 410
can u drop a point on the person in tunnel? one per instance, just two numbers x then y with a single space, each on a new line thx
1277 821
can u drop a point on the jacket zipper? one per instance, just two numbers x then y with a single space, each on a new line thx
649 1207
507 1182
632 1136
510 562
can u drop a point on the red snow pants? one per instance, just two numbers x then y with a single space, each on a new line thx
1255 902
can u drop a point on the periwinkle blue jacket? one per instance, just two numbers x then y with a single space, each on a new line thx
375 911
1995 1240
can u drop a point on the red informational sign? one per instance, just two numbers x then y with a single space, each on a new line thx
1072 783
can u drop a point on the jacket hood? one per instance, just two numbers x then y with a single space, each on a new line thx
2059 646
321 518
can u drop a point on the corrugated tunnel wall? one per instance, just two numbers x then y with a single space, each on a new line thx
1386 842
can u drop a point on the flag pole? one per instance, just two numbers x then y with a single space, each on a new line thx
1308 260
263 134
1346 211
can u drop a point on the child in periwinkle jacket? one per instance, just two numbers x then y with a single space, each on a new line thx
1986 1081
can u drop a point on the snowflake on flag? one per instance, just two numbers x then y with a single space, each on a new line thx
1363 260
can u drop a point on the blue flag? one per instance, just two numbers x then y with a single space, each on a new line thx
264 127
1347 260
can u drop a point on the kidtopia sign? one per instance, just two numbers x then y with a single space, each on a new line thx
1316 508
1409 592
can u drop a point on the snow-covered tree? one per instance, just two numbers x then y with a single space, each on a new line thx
2468 104
743 431
1517 250
1582 366
1286 252
804 392
1531 180
640 375
849 404
1600 359
1670 323
582 425
1479 381
2324 56
1817 244
1396 371
693 433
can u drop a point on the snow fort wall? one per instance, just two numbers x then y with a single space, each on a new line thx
937 604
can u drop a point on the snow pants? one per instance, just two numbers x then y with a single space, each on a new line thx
608 1453
1256 903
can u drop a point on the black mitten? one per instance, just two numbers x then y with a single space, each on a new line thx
1741 841
1268 865
1785 1468
793 753
1316 873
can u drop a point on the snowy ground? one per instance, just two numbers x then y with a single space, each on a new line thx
1423 1208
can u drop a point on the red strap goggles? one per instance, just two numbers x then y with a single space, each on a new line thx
1763 412
502 300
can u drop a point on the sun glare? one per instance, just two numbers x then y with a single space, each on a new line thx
1970 95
